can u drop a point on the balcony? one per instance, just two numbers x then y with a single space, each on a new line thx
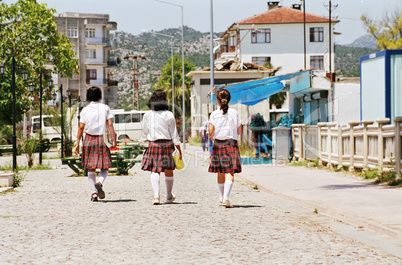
96 41
111 82
111 44
111 63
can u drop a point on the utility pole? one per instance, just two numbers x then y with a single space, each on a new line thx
330 8
136 96
304 30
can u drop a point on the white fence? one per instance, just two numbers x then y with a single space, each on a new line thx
359 145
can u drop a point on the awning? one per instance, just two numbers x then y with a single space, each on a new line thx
251 92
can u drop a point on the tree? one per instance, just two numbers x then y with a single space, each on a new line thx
68 119
279 98
387 32
165 82
28 32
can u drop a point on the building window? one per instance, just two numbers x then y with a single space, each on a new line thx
90 53
72 32
261 36
90 33
91 74
261 60
317 62
75 77
317 34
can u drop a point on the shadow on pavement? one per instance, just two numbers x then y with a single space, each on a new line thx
107 201
247 206
347 186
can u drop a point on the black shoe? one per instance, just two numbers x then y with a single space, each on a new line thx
94 197
101 193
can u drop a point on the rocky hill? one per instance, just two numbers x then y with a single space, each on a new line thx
366 41
156 49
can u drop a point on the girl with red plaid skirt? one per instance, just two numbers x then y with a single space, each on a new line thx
225 127
159 127
95 118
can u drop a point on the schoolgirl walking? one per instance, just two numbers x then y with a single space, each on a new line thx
225 127
159 127
95 119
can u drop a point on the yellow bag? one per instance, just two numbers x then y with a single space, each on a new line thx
177 161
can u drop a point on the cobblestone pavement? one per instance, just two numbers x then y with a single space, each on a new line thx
50 220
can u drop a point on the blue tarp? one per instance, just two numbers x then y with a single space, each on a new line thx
251 92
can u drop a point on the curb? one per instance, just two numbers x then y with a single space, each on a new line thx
346 218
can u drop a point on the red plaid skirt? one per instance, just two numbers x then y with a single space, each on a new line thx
158 156
225 157
95 154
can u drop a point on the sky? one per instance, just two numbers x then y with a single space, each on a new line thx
134 16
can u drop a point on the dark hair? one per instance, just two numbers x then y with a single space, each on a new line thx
224 98
158 101
94 94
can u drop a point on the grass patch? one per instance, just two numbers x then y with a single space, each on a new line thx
8 167
245 149
8 216
194 141
7 191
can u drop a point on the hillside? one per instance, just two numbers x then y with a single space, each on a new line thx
157 50
347 59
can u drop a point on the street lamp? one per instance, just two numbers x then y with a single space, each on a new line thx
69 107
182 61
136 97
32 88
25 75
172 37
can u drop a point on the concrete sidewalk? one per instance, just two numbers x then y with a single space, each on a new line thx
341 196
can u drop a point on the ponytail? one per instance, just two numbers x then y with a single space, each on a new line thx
224 99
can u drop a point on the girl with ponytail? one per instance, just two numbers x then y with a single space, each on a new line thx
225 127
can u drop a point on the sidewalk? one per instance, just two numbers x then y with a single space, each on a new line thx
338 195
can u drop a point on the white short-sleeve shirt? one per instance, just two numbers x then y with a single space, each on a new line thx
160 125
225 124
94 116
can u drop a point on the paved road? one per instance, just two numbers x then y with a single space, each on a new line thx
50 220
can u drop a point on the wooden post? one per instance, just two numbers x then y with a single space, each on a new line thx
397 146
365 143
352 145
381 123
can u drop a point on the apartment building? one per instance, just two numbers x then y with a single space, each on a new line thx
277 37
90 34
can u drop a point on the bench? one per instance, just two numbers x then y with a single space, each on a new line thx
6 149
120 164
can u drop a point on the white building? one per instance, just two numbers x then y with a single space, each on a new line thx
90 33
277 37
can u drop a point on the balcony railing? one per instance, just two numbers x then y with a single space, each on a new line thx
111 63
98 40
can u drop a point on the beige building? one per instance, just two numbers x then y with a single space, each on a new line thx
90 34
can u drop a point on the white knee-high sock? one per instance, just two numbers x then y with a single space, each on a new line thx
155 184
228 189
91 180
169 186
221 188
102 175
